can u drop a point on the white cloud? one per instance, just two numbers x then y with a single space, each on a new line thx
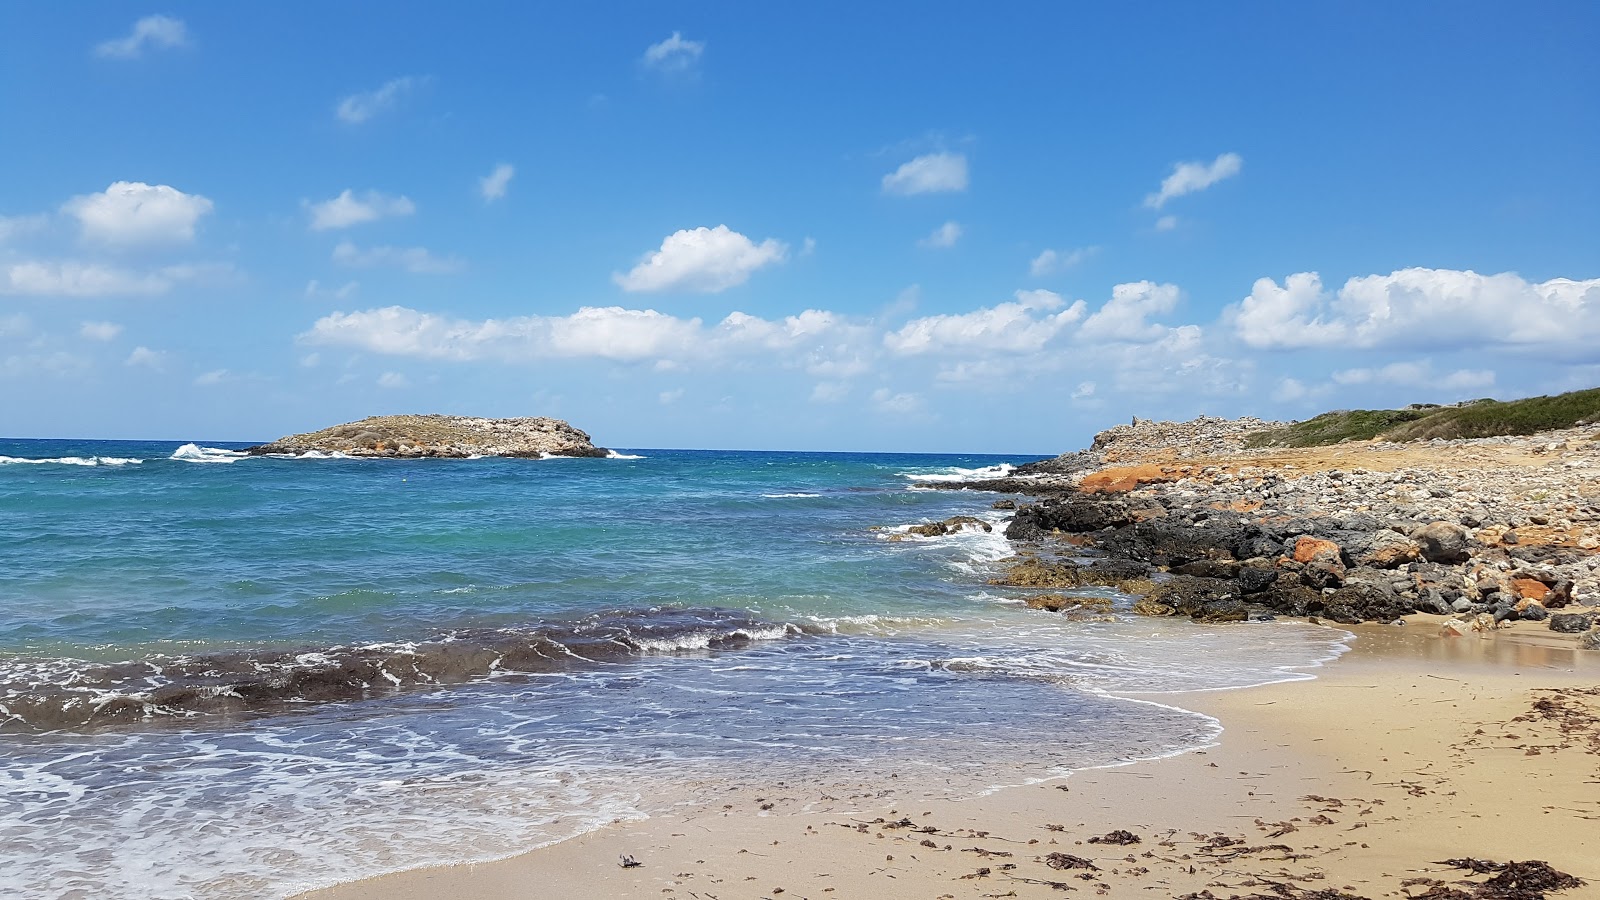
667 398
1051 262
417 260
132 212
932 173
1188 177
1166 223
702 259
213 378
144 356
493 185
99 331
77 279
1005 327
1083 391
358 108
612 333
899 404
1416 373
945 235
1124 316
829 392
314 288
13 227
1420 308
155 32
675 54
347 209
393 380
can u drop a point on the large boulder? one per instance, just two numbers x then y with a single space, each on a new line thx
1387 550
1442 542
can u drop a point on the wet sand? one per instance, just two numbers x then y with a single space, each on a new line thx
1408 750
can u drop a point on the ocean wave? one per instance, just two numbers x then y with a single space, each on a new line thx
71 460
795 496
956 473
197 454
612 454
53 694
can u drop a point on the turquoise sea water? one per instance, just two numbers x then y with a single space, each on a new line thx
539 647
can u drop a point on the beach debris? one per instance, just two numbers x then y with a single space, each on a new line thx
1119 837
628 862
1527 880
1068 861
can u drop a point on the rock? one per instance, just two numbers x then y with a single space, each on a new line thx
1309 549
1535 613
1529 589
1064 603
1572 623
1509 537
1442 542
1388 550
1202 599
1147 607
1453 628
456 437
1003 504
1589 640
1253 579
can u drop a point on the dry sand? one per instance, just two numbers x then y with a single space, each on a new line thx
1408 750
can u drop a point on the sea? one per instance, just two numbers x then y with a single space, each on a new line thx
226 676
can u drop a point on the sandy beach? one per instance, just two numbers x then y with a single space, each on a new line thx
1409 750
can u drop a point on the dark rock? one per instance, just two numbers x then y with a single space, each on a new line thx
1003 504
1572 623
1202 599
1209 568
1533 612
1253 579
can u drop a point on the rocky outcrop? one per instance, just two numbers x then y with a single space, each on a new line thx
450 437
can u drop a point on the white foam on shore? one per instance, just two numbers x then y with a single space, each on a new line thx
195 453
612 454
71 460
956 473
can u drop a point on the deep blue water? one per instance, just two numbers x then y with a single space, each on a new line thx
766 623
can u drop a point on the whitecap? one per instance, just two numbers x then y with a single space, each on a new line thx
789 496
71 460
956 473
612 454
197 454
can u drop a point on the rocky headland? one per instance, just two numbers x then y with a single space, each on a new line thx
449 437
1196 519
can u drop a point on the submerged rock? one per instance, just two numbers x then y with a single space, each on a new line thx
453 437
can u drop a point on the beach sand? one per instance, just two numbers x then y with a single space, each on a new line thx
1410 749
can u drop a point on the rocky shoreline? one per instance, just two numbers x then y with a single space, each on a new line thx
438 436
1188 518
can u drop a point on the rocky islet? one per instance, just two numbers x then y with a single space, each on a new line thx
439 436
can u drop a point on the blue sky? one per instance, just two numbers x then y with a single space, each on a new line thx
904 227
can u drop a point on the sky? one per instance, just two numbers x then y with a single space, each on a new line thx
895 226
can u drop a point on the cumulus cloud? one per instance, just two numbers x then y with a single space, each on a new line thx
929 174
132 212
705 260
1022 326
417 260
360 107
942 237
153 32
1416 373
493 186
1188 177
1051 262
146 358
899 404
99 331
348 209
611 333
1125 315
1419 308
78 279
675 54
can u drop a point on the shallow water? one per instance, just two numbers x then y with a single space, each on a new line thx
305 671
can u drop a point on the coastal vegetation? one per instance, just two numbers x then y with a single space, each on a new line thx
1421 422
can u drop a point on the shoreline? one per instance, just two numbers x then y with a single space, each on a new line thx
1466 790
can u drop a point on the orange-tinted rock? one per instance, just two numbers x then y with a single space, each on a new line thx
1309 549
1122 480
1529 588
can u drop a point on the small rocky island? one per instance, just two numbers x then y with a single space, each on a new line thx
445 437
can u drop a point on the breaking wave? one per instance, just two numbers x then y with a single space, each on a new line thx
197 454
956 473
53 694
71 461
